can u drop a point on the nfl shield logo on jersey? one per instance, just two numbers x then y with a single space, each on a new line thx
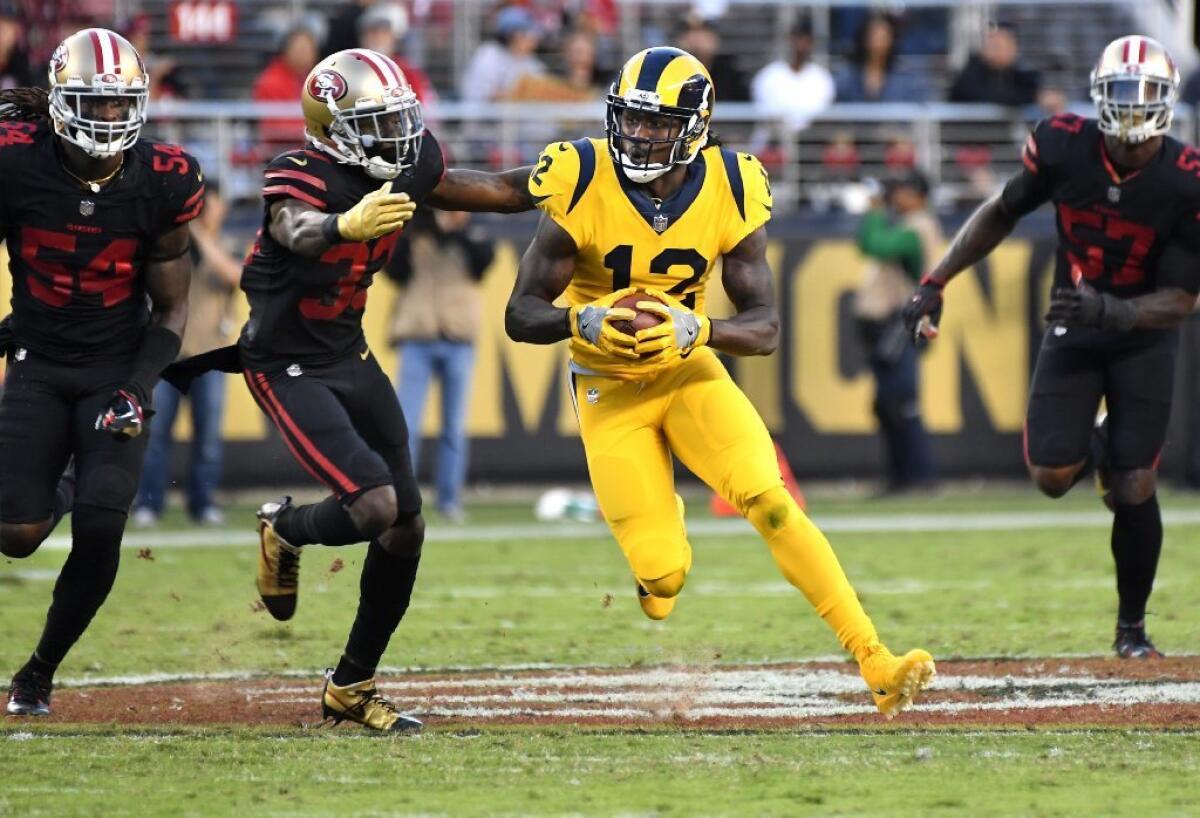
593 395
660 223
1114 194
86 207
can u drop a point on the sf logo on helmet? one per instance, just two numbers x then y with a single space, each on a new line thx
327 85
59 60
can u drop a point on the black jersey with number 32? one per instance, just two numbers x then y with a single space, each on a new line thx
309 310
77 258
1114 226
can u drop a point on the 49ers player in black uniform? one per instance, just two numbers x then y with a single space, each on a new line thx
329 226
96 221
1127 198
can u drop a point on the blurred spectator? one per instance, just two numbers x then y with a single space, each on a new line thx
164 74
900 245
15 71
343 29
496 67
794 89
439 263
576 84
1190 92
701 39
1052 100
283 81
215 278
872 75
900 153
841 157
993 75
382 28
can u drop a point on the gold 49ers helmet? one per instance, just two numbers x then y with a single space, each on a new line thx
656 85
1134 85
94 76
359 108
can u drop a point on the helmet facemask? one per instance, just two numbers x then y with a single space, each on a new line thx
75 111
639 110
385 139
1134 108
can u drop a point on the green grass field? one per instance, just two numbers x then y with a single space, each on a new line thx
992 581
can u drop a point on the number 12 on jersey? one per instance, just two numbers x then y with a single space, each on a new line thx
620 261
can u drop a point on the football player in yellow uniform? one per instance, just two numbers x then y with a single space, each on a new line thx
651 209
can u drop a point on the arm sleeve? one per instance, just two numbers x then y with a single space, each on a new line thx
1032 186
879 239
557 185
294 176
183 181
751 189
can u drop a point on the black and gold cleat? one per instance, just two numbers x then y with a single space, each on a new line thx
361 703
278 577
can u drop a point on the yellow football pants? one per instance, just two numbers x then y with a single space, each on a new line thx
630 430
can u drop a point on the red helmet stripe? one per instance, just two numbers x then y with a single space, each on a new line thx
98 50
1141 50
376 66
116 52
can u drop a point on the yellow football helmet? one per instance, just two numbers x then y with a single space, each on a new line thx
89 70
360 109
1134 85
658 86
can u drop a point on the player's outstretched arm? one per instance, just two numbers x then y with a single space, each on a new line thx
308 231
168 276
991 222
746 276
543 275
477 191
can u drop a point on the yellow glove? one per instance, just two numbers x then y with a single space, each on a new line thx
593 323
681 329
378 213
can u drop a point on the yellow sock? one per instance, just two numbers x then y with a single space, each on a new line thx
806 559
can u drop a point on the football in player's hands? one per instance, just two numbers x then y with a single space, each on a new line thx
643 319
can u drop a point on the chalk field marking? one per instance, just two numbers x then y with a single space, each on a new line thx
745 694
834 524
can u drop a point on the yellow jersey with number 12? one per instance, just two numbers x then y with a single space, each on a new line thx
626 239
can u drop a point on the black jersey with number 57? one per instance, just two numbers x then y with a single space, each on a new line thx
309 310
1114 225
77 258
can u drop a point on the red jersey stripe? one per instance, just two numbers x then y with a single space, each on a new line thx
300 176
295 193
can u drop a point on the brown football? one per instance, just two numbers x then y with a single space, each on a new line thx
643 320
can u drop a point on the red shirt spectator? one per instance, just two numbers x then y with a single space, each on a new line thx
283 81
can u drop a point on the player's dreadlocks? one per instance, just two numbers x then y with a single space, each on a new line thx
24 104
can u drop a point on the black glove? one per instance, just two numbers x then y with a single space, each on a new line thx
1084 307
926 303
123 416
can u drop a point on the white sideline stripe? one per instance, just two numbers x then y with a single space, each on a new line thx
853 524
598 676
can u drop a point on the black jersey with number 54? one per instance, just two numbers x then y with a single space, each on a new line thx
309 310
77 258
1116 228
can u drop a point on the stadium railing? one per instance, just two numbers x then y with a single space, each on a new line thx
965 150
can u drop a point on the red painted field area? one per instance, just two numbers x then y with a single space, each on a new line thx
1061 692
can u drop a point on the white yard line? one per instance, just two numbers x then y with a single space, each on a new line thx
859 523
742 694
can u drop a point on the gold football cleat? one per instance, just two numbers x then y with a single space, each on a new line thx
361 703
278 577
